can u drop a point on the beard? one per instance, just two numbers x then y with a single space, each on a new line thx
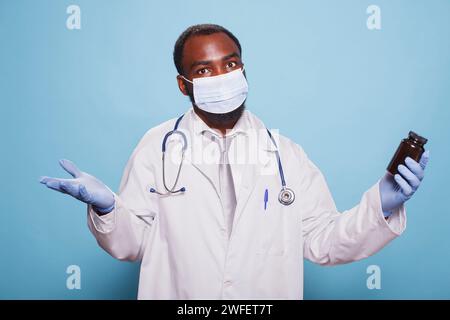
219 119
222 119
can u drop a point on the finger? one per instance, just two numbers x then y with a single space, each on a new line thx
412 179
415 167
406 188
70 167
43 179
424 159
53 183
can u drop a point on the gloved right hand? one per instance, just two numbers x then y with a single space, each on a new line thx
83 187
395 190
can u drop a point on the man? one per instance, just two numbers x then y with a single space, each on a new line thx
223 229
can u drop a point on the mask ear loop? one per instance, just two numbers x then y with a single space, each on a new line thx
186 79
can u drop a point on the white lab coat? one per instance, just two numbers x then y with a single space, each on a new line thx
182 243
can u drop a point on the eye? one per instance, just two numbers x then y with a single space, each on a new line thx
231 64
202 71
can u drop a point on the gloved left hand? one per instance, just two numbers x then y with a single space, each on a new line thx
395 190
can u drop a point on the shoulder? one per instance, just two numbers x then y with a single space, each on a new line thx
286 146
149 146
292 151
154 135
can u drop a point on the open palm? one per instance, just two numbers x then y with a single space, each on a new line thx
83 187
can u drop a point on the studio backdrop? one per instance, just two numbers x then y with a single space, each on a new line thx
347 80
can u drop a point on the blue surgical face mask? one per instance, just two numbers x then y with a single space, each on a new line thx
220 94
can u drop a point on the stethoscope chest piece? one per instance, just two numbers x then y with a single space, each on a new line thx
286 196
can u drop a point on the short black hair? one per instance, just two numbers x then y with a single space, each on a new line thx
196 30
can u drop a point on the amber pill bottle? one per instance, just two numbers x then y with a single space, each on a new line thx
410 147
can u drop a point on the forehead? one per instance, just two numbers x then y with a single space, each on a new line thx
207 47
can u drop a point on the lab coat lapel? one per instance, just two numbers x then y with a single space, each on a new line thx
249 180
251 175
209 170
196 156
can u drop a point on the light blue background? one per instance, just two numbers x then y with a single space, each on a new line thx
348 95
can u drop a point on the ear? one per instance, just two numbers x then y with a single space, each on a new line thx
182 85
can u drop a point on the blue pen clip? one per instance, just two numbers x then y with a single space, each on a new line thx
266 198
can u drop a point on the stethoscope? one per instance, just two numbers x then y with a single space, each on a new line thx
285 197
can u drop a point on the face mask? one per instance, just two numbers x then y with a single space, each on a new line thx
220 94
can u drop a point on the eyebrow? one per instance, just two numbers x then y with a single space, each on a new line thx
224 58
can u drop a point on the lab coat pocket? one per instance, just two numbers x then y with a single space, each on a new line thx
272 233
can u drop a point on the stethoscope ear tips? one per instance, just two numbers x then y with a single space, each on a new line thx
152 190
183 189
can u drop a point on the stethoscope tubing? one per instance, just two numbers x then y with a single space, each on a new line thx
285 197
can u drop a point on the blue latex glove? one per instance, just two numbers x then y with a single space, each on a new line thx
395 190
83 187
